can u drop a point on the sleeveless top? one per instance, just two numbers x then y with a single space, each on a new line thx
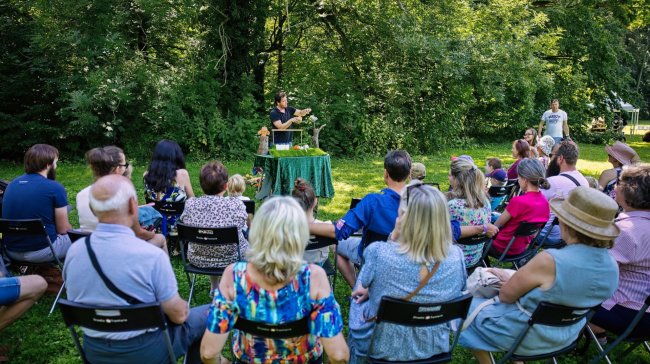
289 303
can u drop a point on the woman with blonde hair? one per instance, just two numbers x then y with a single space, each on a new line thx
419 250
276 286
468 203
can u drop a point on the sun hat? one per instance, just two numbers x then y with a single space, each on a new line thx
546 144
498 174
418 171
622 153
588 211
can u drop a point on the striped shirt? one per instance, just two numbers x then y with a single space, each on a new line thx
632 253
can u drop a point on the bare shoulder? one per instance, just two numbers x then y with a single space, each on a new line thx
319 285
226 285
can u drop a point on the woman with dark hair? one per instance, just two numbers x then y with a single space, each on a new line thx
530 135
531 206
580 275
520 150
214 210
304 193
166 179
632 253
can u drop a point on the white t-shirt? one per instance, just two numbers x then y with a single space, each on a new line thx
87 220
554 122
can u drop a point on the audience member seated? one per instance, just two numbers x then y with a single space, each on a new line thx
632 253
468 203
418 172
304 193
593 183
497 178
139 270
276 286
619 155
213 210
562 177
544 149
420 244
520 150
104 161
580 275
17 295
166 179
530 136
36 195
531 206
376 212
237 187
492 164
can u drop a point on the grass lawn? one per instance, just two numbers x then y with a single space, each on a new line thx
37 338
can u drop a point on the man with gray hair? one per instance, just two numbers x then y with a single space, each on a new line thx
137 269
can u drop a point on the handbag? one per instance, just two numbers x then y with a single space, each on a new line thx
484 284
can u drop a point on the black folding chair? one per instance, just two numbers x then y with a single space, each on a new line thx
114 319
548 314
474 240
525 229
372 236
318 242
250 206
354 202
31 228
296 328
206 236
167 209
624 336
78 234
412 314
501 192
432 184
541 244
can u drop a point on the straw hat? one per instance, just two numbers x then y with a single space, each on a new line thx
588 211
418 171
622 153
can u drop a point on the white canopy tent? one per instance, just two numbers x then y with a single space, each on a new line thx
634 115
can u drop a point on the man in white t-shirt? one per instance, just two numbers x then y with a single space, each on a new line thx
556 121
564 159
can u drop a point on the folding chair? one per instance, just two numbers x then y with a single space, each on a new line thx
354 202
625 335
167 210
407 313
540 244
78 234
548 314
31 228
474 240
250 206
432 184
525 229
274 331
372 236
114 319
206 236
318 242
501 191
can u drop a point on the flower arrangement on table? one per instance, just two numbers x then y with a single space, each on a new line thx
298 151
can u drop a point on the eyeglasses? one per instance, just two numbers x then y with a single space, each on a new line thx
529 134
409 188
125 165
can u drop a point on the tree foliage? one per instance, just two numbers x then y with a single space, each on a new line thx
382 74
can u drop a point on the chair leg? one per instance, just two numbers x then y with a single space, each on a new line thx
56 300
189 299
601 352
647 347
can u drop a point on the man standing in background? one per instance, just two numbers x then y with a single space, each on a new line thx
556 121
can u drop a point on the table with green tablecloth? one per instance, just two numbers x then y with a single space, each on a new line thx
281 172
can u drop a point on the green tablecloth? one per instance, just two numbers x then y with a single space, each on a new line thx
279 174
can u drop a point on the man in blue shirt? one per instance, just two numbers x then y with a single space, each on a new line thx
35 195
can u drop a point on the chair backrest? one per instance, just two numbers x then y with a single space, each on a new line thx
371 236
354 202
114 319
512 182
204 235
318 242
78 234
432 184
168 208
529 228
282 331
22 227
474 240
499 191
250 206
550 314
410 313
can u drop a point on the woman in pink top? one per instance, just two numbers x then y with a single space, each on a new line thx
532 206
520 150
632 253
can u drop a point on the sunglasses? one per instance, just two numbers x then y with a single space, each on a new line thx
125 165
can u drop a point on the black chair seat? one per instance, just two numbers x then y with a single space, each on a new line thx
329 268
439 358
190 268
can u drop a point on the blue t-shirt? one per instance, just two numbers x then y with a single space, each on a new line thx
32 196
281 137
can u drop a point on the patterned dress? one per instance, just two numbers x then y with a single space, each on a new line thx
459 211
289 303
215 212
174 193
